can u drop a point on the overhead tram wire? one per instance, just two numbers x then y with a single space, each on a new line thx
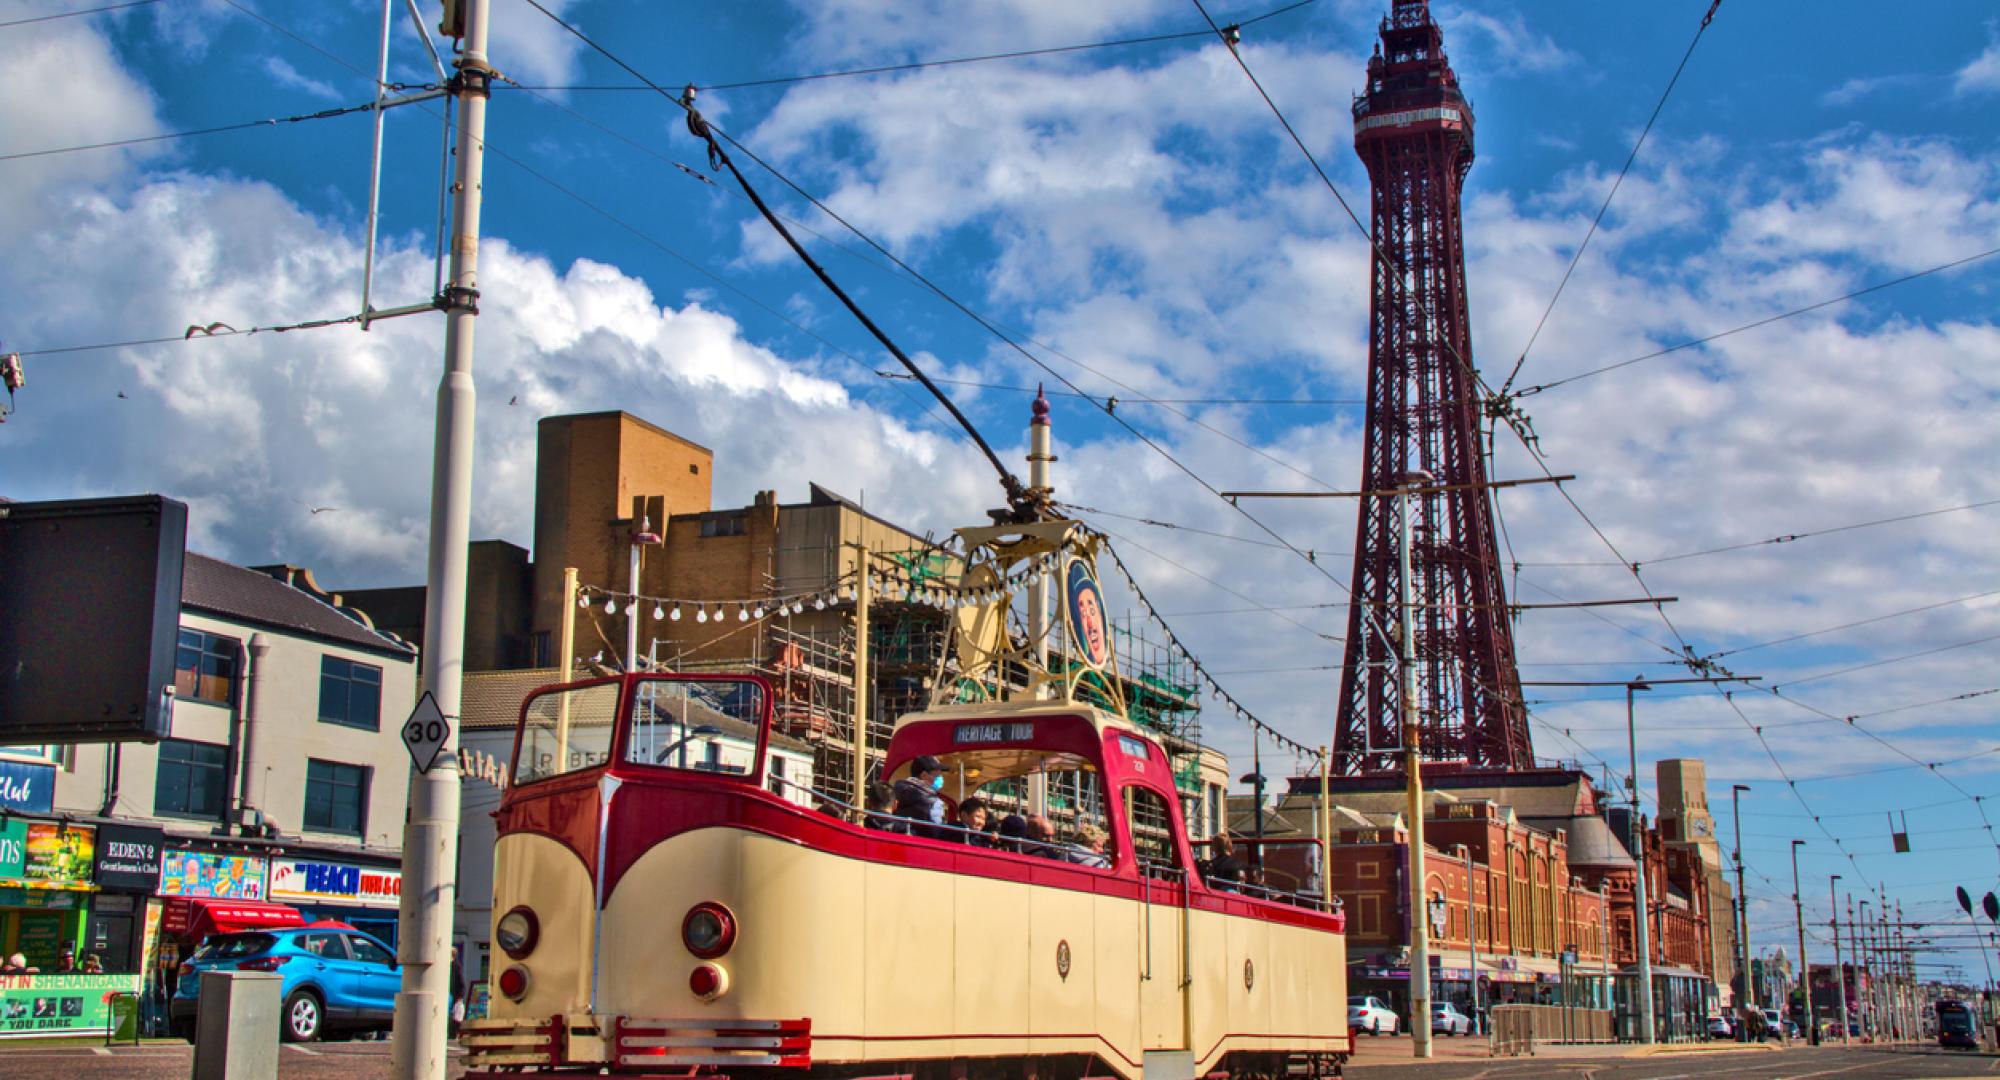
975 316
76 14
1790 537
1321 402
890 69
1852 625
1527 391
323 114
1577 257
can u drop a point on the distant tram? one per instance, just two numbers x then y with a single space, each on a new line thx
1956 1025
665 912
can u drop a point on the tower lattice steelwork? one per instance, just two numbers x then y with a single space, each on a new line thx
1413 130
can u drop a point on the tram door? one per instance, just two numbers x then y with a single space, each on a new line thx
1163 914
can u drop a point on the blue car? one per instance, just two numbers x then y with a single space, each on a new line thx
336 977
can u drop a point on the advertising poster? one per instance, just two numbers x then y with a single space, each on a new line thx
13 848
202 873
60 1004
335 883
40 940
27 786
60 854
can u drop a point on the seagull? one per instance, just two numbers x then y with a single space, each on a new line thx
316 510
515 400
121 393
210 330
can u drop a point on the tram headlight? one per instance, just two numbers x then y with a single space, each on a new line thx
708 982
709 930
514 982
517 931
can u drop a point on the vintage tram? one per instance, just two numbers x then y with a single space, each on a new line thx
665 911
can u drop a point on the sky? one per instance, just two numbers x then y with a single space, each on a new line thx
1134 216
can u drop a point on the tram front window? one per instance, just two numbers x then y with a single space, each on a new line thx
1152 833
567 730
708 726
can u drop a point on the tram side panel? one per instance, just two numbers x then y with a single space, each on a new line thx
544 875
1063 925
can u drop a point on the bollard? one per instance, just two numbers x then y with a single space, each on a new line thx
236 1028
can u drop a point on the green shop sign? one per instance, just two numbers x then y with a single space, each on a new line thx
65 1004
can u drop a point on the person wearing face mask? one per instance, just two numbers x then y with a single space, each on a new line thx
917 798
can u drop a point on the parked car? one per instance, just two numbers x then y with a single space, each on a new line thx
1720 1027
1775 1026
1365 1012
1447 1020
335 978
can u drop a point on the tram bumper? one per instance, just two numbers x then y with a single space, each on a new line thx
635 1045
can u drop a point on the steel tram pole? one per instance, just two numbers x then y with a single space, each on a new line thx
1642 912
1839 970
1742 898
1420 945
1805 969
430 835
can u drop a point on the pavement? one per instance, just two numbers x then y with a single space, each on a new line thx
1468 1059
173 1059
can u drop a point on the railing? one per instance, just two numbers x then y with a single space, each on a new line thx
1517 1028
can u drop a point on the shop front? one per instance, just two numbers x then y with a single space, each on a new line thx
364 897
46 894
123 927
190 879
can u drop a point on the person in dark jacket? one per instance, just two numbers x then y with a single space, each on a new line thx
882 809
1013 834
1225 871
917 798
972 815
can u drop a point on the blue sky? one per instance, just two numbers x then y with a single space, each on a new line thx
1136 212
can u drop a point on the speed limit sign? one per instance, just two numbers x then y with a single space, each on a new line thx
425 732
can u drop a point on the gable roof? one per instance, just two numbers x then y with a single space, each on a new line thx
219 588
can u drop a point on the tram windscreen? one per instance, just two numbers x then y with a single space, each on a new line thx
567 730
711 725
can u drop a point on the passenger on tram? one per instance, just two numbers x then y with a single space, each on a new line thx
1224 872
917 798
1013 834
1042 839
882 809
1092 855
972 818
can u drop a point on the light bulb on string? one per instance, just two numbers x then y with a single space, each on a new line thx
847 592
610 606
659 612
743 613
583 600
676 616
701 614
819 602
757 612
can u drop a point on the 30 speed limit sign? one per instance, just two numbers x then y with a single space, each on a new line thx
425 733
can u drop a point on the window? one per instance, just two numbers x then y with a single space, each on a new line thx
349 693
205 667
777 782
368 952
336 797
191 780
1152 832
326 946
736 524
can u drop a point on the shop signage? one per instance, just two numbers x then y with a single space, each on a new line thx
58 854
27 786
334 883
13 848
205 873
477 764
61 1004
128 858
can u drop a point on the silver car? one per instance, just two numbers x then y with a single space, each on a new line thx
1447 1020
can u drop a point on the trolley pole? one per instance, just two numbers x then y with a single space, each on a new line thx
1325 830
566 649
863 584
1420 931
1805 969
1839 971
1642 912
430 836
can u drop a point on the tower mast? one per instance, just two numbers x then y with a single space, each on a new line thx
1413 131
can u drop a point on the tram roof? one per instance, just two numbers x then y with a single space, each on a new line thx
1098 718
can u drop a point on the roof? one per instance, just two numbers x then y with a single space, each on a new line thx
1591 841
220 588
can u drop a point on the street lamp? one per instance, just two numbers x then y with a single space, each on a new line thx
1839 972
1642 913
1742 900
1805 969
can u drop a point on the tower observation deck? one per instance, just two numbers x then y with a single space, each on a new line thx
1413 131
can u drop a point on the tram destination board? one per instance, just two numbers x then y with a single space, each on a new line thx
984 734
91 591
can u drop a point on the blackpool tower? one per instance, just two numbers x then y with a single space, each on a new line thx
1413 131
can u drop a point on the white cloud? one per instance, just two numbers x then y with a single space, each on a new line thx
289 77
1982 74
1516 46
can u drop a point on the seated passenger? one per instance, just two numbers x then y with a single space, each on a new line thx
1042 839
881 813
1092 838
972 818
917 798
1013 834
1224 872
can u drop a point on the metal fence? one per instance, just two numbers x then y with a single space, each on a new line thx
1517 1028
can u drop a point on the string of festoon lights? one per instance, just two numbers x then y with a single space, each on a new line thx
1235 707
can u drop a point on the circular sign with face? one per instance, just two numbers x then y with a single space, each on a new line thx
1087 623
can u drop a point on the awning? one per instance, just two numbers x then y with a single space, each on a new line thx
198 917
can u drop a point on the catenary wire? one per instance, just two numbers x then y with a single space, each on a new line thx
1790 537
1877 287
85 11
887 69
1852 625
1336 402
1606 204
323 114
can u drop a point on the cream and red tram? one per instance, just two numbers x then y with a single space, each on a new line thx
662 906
670 918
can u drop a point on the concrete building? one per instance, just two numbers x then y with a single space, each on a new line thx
1686 825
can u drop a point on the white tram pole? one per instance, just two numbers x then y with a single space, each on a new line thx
1420 935
861 589
430 836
